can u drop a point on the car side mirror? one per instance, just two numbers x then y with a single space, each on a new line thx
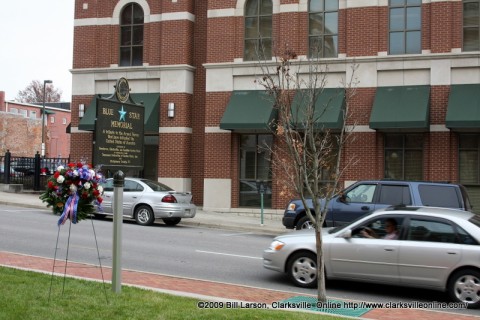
347 234
343 198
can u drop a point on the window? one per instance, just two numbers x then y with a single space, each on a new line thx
23 113
33 114
255 159
258 30
363 193
131 35
13 110
471 25
404 156
323 28
439 196
64 121
395 195
405 26
52 119
469 155
430 230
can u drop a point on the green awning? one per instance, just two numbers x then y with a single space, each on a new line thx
463 110
398 108
328 112
151 101
49 111
249 110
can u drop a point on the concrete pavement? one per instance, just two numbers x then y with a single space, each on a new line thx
208 290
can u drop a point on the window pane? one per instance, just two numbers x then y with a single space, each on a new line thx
468 167
413 141
393 164
125 56
251 28
127 15
251 8
413 165
397 3
266 7
126 36
316 5
397 19
138 35
468 141
414 2
414 18
414 42
265 51
137 14
331 23
250 50
266 26
331 5
316 47
396 44
137 56
394 141
470 14
316 24
330 47
471 39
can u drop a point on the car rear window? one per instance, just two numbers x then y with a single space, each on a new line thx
439 196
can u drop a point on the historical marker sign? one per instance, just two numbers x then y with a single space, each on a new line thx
119 130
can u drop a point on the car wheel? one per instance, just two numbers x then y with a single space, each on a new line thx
171 221
302 269
464 286
144 215
304 223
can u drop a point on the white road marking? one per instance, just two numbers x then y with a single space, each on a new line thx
228 254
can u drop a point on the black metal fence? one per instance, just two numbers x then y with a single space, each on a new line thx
31 172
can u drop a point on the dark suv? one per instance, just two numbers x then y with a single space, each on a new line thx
366 196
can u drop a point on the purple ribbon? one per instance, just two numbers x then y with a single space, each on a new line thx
70 210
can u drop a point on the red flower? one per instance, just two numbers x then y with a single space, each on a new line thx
71 165
99 199
79 165
84 195
56 174
51 185
96 193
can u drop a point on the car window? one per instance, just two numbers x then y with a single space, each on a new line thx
131 186
465 238
383 227
429 230
108 185
439 196
395 195
362 193
156 186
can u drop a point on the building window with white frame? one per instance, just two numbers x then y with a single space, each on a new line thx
64 121
52 119
131 35
405 27
471 25
33 114
258 30
323 28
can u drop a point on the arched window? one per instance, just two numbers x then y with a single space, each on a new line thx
258 30
131 35
405 27
323 28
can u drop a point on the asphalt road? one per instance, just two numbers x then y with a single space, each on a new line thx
185 251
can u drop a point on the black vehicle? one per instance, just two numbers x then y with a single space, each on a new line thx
366 196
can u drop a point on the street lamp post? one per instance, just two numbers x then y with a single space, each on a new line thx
43 117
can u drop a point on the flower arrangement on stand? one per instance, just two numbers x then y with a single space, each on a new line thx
73 192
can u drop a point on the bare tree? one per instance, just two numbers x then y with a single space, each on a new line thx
33 93
308 155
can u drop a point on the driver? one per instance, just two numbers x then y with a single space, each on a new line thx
390 229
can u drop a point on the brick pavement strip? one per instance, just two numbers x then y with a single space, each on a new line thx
216 290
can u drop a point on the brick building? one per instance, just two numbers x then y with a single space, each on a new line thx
21 128
417 107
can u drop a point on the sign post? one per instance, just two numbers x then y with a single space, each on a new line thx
118 144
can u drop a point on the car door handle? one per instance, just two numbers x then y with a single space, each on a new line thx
389 249
451 252
365 208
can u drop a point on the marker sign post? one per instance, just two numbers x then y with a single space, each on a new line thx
119 136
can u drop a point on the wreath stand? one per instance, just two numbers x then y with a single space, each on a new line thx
66 260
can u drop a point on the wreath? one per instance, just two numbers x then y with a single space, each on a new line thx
73 192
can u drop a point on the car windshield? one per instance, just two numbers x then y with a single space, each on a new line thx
156 186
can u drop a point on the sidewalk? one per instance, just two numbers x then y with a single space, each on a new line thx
200 289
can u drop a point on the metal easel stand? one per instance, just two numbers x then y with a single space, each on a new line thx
66 261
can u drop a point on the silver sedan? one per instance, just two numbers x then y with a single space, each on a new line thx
146 200
433 248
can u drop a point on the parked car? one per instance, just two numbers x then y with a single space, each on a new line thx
437 248
364 197
26 166
146 200
2 172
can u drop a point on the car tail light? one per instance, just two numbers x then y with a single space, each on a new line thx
169 198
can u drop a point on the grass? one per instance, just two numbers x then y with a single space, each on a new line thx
30 295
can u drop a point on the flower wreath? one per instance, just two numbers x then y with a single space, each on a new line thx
73 191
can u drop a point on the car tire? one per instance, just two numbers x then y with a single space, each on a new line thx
464 286
144 215
304 223
302 269
171 221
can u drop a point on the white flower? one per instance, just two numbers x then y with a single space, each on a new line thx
73 188
87 185
75 173
91 172
60 168
60 179
100 189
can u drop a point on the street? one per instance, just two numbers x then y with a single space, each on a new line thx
182 251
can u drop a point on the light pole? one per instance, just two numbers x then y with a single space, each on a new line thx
43 117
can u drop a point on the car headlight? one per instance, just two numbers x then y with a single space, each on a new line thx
291 207
276 245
